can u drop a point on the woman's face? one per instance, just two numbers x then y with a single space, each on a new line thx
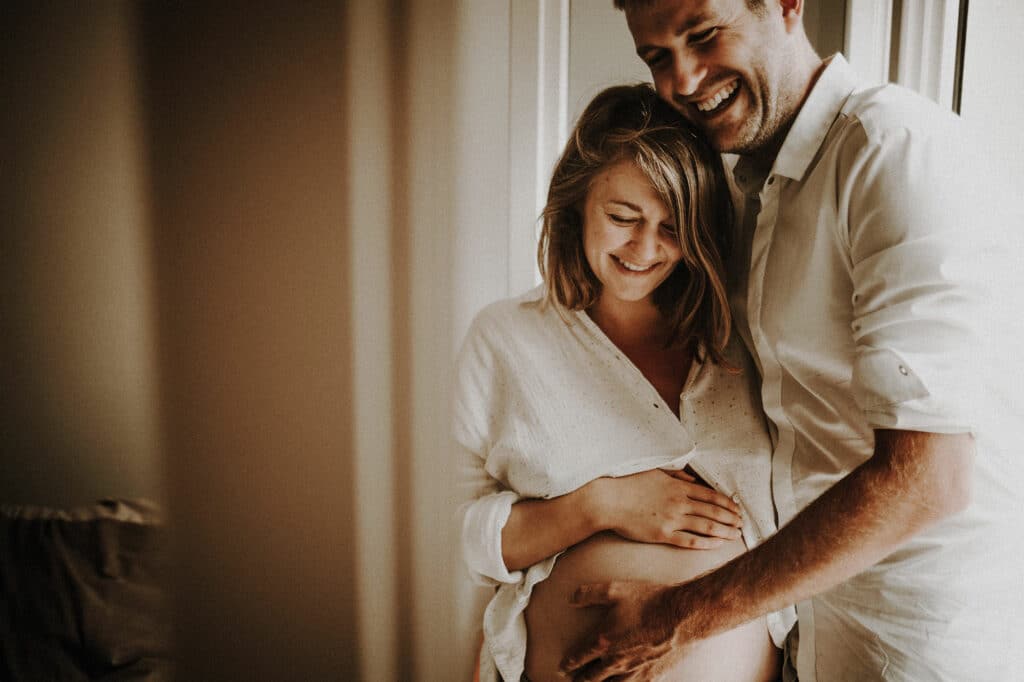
628 234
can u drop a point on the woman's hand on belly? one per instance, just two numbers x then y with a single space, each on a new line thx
669 508
664 507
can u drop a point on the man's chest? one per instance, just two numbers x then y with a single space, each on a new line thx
792 281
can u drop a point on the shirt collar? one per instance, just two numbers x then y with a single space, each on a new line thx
819 111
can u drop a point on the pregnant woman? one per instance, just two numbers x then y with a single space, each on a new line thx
610 428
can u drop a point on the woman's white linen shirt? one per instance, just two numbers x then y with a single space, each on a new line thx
545 404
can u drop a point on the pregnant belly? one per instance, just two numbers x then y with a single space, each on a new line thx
745 654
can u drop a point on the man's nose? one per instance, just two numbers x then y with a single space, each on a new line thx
689 72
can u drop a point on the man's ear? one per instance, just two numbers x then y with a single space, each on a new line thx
792 12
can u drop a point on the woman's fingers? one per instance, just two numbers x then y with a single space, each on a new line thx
707 527
713 512
699 509
681 474
655 506
691 541
695 491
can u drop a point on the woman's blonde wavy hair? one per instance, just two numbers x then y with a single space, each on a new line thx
631 122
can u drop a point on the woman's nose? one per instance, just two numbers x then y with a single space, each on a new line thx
646 241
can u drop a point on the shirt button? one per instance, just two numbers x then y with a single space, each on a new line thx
904 371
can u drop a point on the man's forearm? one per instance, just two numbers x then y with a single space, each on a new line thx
912 481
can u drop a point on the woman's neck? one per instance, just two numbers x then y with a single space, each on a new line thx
628 323
641 332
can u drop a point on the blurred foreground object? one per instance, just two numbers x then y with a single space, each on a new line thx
82 593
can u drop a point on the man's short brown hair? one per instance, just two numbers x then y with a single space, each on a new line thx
755 6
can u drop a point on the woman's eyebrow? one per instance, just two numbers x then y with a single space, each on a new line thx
628 205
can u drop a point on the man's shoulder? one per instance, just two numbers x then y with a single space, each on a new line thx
887 109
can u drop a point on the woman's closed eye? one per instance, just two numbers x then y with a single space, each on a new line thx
623 220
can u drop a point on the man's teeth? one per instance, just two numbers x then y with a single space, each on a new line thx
633 266
712 102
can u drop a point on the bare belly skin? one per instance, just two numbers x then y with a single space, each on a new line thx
745 654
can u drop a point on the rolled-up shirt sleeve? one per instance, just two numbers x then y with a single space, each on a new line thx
486 501
916 298
482 522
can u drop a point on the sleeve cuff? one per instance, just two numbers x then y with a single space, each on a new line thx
881 378
482 524
893 396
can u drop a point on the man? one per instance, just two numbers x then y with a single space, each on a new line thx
856 290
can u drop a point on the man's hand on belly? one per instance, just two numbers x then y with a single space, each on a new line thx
636 638
912 481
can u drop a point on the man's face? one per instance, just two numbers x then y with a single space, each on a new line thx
723 66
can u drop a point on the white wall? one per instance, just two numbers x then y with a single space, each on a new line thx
601 53
993 107
992 72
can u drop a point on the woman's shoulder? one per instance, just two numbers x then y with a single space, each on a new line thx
523 330
515 315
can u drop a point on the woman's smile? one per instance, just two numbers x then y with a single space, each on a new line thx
634 267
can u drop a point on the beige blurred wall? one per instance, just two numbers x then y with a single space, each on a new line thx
77 385
232 253
246 132
305 231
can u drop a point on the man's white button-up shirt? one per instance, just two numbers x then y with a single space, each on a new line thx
859 287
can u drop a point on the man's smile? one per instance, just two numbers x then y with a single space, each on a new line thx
718 97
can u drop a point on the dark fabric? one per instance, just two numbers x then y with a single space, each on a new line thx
81 594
